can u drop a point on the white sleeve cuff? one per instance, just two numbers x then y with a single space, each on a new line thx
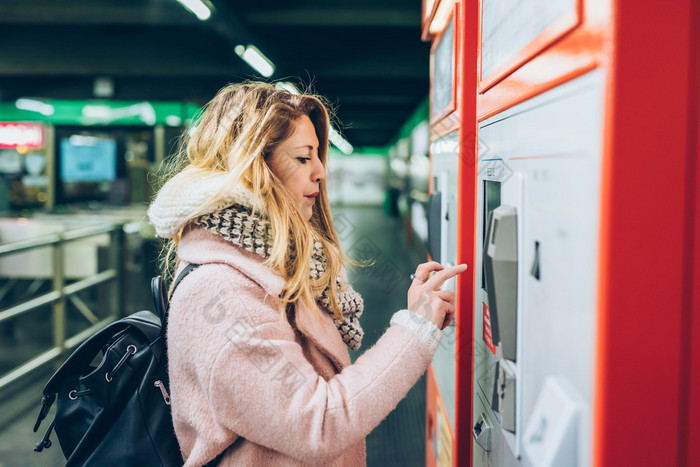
424 328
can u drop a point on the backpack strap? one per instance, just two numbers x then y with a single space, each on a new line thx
188 269
160 296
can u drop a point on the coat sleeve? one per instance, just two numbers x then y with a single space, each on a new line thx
261 387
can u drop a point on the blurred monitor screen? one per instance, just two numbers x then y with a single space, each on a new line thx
88 159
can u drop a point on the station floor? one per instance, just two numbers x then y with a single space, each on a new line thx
365 232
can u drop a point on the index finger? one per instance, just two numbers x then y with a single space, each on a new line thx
441 276
424 269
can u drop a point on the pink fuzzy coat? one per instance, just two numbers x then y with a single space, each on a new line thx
268 392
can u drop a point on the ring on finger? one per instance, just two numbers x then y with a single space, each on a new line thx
413 276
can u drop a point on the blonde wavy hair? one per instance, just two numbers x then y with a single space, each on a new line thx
235 137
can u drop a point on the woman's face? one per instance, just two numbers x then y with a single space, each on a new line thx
295 161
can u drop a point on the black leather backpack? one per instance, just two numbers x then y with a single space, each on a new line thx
116 413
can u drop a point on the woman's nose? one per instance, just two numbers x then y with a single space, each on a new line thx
319 173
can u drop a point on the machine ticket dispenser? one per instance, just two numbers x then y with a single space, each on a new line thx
500 258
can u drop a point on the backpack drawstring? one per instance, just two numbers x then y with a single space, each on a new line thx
46 403
45 442
130 350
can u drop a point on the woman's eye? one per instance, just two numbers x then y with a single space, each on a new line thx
303 160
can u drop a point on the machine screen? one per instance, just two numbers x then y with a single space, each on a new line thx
492 199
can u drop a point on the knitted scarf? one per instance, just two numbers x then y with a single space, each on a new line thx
237 224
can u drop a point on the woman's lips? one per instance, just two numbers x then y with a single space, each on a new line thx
312 196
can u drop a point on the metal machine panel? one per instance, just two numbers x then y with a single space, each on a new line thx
540 158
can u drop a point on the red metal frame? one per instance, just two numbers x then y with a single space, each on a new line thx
466 229
691 425
640 398
555 31
692 299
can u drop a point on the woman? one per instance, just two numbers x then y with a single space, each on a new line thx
258 333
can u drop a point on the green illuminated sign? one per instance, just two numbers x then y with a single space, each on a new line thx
91 113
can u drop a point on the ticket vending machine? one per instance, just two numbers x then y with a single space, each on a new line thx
443 400
565 173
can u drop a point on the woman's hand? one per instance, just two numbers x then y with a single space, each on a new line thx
425 296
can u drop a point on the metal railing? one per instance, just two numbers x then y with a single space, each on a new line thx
61 293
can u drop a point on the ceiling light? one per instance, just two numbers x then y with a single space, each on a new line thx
33 105
287 86
339 142
255 58
333 136
445 8
103 86
198 7
428 8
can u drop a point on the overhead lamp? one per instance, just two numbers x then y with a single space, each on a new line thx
33 105
287 86
334 137
200 9
339 142
103 86
428 8
256 59
445 8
